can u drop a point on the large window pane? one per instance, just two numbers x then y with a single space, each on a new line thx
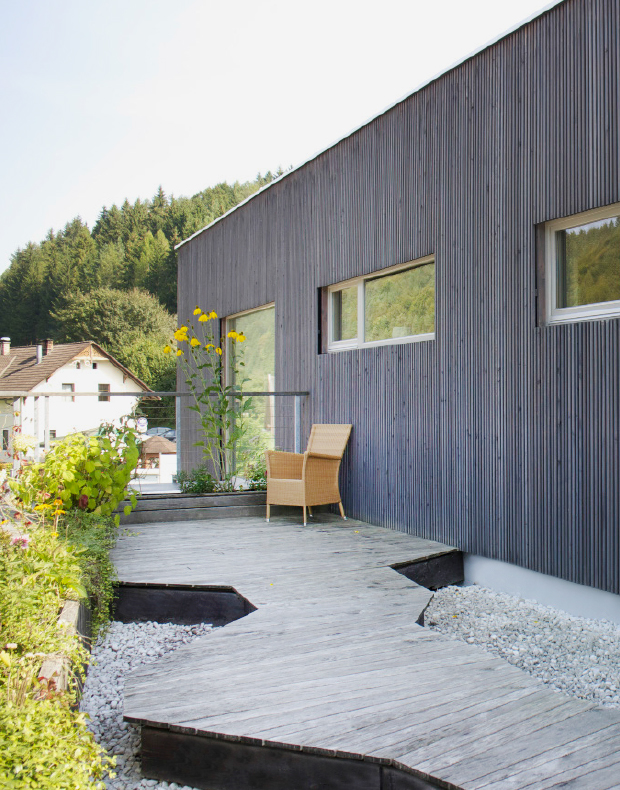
344 306
588 263
400 304
258 369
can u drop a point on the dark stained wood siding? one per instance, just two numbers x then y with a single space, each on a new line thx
501 436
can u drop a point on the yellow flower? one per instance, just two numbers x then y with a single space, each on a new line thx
233 335
54 534
218 351
194 342
204 317
181 335
212 314
241 337
209 345
58 502
197 311
179 353
59 512
167 349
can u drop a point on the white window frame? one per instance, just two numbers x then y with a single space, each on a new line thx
358 342
587 312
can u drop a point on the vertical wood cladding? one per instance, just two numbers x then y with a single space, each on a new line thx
501 436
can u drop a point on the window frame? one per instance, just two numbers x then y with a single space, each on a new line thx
587 312
347 345
104 392
69 388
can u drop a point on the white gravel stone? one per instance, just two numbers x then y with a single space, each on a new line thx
127 646
574 655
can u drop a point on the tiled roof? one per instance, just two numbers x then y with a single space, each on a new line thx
19 371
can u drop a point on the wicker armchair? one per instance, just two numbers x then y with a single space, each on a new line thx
310 478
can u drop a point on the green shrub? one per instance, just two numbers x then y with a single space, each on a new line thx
198 481
256 474
93 537
44 743
90 473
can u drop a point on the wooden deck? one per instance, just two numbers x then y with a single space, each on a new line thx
331 684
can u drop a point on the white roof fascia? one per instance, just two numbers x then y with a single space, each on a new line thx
422 85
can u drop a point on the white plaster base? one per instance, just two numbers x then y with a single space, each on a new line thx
576 599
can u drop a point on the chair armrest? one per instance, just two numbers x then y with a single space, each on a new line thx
284 466
324 455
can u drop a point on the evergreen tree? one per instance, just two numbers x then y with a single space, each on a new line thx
131 246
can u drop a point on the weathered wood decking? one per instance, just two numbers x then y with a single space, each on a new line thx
333 665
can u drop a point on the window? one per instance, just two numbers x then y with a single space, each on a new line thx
68 388
104 388
582 255
259 328
396 305
5 439
52 433
94 366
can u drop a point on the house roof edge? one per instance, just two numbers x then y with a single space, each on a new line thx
421 86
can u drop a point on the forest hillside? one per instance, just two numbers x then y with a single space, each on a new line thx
54 288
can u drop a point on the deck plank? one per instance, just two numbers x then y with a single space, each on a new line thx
332 661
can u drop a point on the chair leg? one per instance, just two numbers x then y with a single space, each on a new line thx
342 511
268 513
305 519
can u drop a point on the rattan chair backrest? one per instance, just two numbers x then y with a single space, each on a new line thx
329 439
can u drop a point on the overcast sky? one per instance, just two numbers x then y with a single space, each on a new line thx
107 100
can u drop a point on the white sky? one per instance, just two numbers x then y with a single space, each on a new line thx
107 100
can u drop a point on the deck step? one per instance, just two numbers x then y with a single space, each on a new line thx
157 508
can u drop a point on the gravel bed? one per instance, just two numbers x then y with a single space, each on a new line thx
125 647
577 656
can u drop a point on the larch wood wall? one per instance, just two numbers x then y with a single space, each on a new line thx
501 436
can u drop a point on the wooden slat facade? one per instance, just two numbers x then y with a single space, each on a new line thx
501 436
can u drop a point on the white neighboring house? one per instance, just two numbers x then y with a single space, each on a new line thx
27 373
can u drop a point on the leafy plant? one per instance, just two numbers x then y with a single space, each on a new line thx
92 537
221 407
89 473
256 474
43 741
198 481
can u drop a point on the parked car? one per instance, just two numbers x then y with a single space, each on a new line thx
160 431
170 434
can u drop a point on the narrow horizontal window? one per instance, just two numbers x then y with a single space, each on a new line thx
396 305
582 262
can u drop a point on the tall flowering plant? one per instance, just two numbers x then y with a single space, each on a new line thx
216 389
